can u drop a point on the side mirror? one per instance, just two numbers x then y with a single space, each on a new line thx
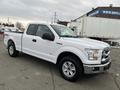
48 36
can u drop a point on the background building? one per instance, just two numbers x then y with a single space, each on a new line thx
63 22
103 21
105 12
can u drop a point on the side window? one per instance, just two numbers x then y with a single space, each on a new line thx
43 29
32 29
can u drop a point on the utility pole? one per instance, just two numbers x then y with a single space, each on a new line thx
55 17
52 20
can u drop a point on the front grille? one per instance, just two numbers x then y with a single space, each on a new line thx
105 55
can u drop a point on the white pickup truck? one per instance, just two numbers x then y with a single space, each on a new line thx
58 44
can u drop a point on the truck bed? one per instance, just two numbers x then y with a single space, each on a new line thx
16 36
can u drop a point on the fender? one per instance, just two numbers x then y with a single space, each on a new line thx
16 40
73 50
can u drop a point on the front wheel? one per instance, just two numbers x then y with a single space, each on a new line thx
12 50
70 68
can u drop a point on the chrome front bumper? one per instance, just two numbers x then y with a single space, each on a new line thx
92 69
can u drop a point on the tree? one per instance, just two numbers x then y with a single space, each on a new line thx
20 26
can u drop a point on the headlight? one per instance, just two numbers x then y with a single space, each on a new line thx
93 54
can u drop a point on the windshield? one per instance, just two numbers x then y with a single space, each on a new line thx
63 31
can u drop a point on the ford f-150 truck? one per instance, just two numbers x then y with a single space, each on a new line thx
58 44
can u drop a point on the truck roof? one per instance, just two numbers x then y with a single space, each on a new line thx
45 23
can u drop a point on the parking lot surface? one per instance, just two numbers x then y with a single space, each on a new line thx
29 73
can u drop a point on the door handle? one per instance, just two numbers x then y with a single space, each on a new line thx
34 40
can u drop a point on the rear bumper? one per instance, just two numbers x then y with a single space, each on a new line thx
92 69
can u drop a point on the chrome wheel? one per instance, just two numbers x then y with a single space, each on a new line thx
69 69
11 50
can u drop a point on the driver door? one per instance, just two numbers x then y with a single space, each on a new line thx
44 48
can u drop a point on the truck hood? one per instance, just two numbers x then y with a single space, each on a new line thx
87 43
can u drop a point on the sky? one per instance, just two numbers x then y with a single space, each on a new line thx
43 10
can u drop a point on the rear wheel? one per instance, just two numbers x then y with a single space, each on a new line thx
12 50
70 68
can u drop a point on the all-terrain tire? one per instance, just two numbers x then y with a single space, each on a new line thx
12 50
76 63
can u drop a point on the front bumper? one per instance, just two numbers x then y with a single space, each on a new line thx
93 69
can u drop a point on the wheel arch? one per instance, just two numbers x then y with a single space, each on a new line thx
9 42
65 53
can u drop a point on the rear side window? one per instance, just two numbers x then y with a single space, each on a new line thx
32 29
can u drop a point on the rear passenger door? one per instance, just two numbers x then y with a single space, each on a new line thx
29 41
